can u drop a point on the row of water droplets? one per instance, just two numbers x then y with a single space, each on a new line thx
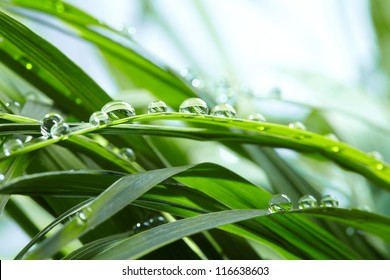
54 126
282 203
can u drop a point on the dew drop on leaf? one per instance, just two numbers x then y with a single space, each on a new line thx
307 201
157 107
194 106
60 7
376 155
48 121
118 110
332 136
11 146
85 214
329 201
2 177
14 106
297 125
223 110
99 119
279 203
127 153
257 117
333 149
59 130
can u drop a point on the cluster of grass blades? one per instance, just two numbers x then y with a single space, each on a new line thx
116 190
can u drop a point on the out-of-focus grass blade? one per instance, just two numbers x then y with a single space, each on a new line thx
144 242
48 69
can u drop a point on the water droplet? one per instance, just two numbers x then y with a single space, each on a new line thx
78 101
256 117
2 178
11 146
307 201
99 119
365 208
224 110
125 30
48 121
25 62
59 130
350 231
376 155
197 83
14 106
138 227
333 149
150 223
118 110
127 153
332 136
84 215
31 96
156 221
60 8
194 106
297 125
279 203
329 201
157 107
379 166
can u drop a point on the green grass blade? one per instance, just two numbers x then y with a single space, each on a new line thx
48 69
144 242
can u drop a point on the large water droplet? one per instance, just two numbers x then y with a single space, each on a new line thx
157 107
329 201
256 117
279 203
48 121
84 215
194 106
59 130
307 201
224 110
14 106
11 146
2 178
99 119
127 153
297 125
376 155
118 110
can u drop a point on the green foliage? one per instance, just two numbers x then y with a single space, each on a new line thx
97 196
